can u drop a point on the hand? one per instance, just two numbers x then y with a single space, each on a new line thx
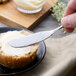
69 20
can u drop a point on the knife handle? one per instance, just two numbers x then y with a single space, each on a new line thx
55 30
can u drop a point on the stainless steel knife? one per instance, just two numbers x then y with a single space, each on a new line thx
32 39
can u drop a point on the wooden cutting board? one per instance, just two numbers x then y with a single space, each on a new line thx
11 16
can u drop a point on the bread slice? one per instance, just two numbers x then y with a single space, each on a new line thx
16 57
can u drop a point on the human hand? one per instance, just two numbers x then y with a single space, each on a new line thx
69 20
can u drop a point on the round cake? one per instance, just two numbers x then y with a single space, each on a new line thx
16 57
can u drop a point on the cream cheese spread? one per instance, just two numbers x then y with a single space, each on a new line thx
30 4
9 50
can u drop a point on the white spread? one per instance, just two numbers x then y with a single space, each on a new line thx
8 50
29 4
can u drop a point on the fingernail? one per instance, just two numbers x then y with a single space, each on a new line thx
65 22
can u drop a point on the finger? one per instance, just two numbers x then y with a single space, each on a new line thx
69 30
69 21
71 8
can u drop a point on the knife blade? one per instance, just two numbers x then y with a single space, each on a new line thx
29 40
32 39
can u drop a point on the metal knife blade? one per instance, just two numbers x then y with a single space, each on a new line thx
30 39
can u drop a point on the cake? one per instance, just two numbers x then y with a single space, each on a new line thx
13 58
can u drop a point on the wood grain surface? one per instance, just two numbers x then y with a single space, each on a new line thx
11 16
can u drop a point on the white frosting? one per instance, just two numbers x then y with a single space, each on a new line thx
29 4
9 50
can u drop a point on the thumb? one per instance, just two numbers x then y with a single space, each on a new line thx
69 21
